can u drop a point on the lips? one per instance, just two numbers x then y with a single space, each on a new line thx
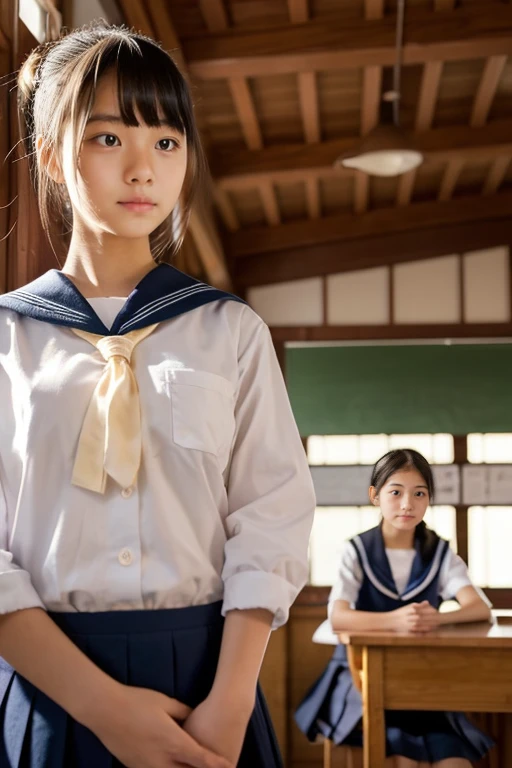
141 204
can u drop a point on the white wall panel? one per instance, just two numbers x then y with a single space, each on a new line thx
427 291
295 303
359 298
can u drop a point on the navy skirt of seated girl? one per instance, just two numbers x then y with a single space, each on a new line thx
172 651
333 708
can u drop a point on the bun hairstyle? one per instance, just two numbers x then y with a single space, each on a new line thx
56 91
406 458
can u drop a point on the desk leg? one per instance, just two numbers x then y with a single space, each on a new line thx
374 737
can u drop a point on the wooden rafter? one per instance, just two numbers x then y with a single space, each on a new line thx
236 169
298 11
495 175
472 32
216 20
346 226
405 188
269 201
246 111
373 9
372 85
429 89
450 178
309 106
313 198
361 191
214 14
202 227
367 252
444 5
226 209
489 81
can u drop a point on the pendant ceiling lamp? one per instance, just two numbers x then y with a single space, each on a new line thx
387 150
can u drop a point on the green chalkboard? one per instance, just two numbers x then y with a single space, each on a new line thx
457 388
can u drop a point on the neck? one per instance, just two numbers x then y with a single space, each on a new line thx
106 265
396 539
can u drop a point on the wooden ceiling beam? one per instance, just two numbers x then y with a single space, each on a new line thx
313 198
308 95
246 111
489 81
495 175
469 32
214 14
348 226
444 5
450 178
288 162
374 9
429 89
367 252
226 209
298 11
269 201
405 188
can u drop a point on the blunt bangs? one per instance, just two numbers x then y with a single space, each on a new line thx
149 85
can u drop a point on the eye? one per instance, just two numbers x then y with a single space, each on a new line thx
107 140
167 145
394 492
420 493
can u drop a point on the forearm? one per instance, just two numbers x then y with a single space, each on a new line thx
33 644
348 619
476 611
244 641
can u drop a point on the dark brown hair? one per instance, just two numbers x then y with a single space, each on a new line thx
407 458
56 91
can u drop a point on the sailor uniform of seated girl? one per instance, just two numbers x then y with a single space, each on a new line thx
394 578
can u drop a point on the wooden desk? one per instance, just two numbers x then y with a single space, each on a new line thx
464 668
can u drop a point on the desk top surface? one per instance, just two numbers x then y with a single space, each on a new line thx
477 635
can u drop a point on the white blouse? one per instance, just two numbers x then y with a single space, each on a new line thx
452 578
223 504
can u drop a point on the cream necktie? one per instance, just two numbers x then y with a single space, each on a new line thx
110 442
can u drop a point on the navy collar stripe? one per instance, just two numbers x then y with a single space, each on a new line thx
50 306
153 304
163 293
424 582
369 572
143 313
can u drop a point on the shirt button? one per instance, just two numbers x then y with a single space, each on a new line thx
127 492
125 557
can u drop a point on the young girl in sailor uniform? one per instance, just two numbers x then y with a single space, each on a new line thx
155 499
394 578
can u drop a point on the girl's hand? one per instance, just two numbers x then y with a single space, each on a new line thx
220 726
139 728
416 617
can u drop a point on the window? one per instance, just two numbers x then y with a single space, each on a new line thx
367 449
490 448
490 534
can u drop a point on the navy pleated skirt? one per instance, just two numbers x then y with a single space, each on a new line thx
333 708
172 651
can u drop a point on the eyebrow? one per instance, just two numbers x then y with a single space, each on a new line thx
402 486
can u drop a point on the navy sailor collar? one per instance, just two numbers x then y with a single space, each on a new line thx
375 564
162 294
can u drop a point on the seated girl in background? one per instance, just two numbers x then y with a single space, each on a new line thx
396 576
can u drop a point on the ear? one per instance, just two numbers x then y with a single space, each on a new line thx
49 161
372 493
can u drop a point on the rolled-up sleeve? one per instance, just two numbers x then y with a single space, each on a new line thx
270 491
16 589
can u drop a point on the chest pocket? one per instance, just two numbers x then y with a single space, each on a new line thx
202 406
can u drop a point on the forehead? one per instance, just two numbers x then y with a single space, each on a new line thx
407 478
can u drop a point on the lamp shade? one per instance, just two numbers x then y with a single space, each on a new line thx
385 151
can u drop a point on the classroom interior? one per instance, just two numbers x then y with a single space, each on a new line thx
389 298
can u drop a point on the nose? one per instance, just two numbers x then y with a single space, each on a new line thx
406 502
139 170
